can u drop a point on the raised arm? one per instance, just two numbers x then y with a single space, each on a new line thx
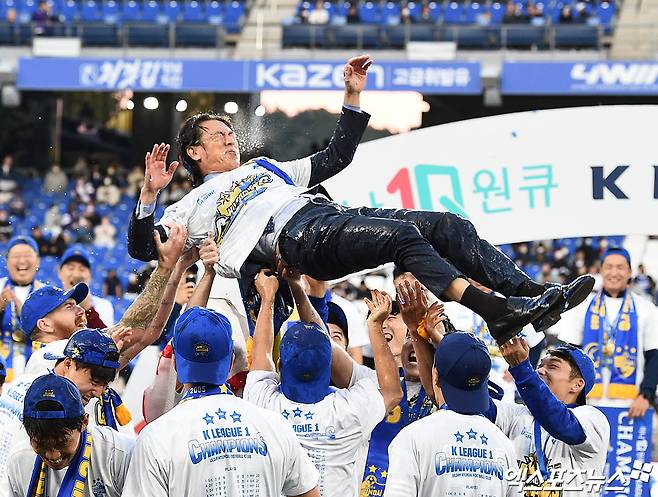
209 255
261 352
307 312
350 128
157 176
387 371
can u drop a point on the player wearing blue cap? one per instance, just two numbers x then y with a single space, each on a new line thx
90 360
73 458
555 433
214 443
332 425
22 265
456 450
74 268
618 329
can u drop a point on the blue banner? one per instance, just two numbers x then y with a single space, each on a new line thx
629 458
177 75
579 78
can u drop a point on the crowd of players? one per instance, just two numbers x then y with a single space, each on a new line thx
293 413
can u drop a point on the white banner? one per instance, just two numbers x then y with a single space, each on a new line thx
527 176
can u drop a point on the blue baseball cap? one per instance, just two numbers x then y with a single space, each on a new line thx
305 360
23 240
584 364
617 251
463 363
75 253
46 299
90 346
203 346
337 317
56 389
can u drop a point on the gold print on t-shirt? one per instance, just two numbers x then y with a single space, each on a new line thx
532 482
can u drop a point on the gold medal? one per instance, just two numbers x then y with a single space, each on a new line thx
609 349
18 336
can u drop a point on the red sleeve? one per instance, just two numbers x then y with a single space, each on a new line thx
94 320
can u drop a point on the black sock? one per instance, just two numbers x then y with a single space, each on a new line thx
530 288
487 305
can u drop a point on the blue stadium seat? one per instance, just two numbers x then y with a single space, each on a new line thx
391 14
196 35
369 12
435 10
524 36
415 9
171 10
7 34
150 11
214 12
90 11
144 35
472 36
305 35
192 12
130 11
397 35
25 10
473 11
99 35
111 13
497 12
454 13
234 16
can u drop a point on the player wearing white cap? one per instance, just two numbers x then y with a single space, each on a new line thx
214 443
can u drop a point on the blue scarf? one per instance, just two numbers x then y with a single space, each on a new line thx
376 470
110 410
75 479
613 345
12 333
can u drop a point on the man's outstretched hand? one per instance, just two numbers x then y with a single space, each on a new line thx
355 73
157 175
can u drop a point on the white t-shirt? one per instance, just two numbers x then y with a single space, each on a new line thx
219 445
570 329
517 423
331 431
108 465
451 454
38 365
248 197
105 310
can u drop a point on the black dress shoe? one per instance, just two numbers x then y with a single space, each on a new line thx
570 296
522 311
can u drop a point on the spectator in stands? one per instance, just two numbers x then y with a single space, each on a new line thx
173 194
59 243
91 215
581 14
38 236
302 16
41 18
134 180
566 15
643 283
112 285
353 14
319 15
55 180
52 222
6 229
74 268
108 193
425 15
84 191
10 17
17 205
133 288
104 234
405 16
81 231
514 14
536 13
8 179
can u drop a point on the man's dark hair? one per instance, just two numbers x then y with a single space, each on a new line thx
189 135
575 371
51 429
100 374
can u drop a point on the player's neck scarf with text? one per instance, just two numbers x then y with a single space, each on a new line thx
111 410
613 345
75 479
408 411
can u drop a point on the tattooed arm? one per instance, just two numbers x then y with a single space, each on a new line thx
158 295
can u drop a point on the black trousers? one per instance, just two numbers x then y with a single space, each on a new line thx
328 241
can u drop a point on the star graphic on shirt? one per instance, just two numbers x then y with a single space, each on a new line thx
309 415
208 419
372 468
223 389
220 414
235 416
483 439
285 414
297 412
384 474
459 437
471 434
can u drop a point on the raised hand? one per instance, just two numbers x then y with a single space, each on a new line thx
379 307
157 175
170 251
434 323
266 285
413 303
209 253
515 351
355 73
122 336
